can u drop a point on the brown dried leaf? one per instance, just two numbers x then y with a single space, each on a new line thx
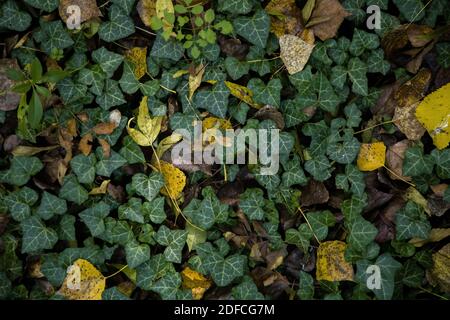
285 17
85 145
106 147
295 52
326 18
315 192
104 128
88 8
9 100
394 159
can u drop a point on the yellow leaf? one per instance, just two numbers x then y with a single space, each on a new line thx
331 264
138 56
440 273
29 151
294 52
146 10
434 114
180 73
195 281
414 195
175 180
242 93
436 235
195 79
166 143
83 282
216 123
371 156
195 236
101 189
148 127
163 6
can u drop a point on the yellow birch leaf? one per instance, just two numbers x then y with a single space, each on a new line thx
436 235
100 189
294 52
371 156
175 180
83 282
138 56
195 281
242 93
440 273
331 264
196 79
434 114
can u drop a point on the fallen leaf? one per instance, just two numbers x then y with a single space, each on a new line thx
85 145
233 47
434 114
295 52
195 236
440 272
326 18
175 180
439 189
272 113
148 127
371 156
114 117
313 193
165 144
88 9
414 195
102 189
195 79
331 264
195 281
216 123
104 128
30 151
243 93
285 17
138 57
395 156
9 100
83 282
146 10
72 127
105 147
436 235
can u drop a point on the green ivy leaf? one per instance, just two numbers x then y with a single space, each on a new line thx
254 29
21 170
106 166
154 210
247 290
236 7
416 163
19 203
357 73
411 10
361 233
251 202
111 96
36 236
168 286
109 61
46 5
442 160
94 217
235 68
136 254
84 167
174 241
51 205
55 36
11 17
411 222
215 99
362 41
131 151
293 174
225 271
72 191
66 229
147 186
266 94
319 167
171 49
119 26
132 210
352 180
305 286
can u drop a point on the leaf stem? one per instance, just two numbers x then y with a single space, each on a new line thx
117 272
374 126
309 225
263 60
146 31
399 177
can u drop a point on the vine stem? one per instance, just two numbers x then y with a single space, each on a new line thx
117 272
402 179
262 60
309 225
146 31
433 293
374 126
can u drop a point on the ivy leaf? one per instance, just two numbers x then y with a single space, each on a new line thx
442 160
147 186
119 25
84 167
305 286
136 254
411 222
247 290
319 167
168 286
224 272
326 97
66 229
72 191
126 5
362 41
46 5
353 207
215 99
174 241
111 96
344 152
93 218
320 221
70 91
154 210
416 163
352 180
252 202
357 73
21 170
376 62
301 237
235 68
254 29
236 7
55 36
294 111
361 233
411 10
266 94
109 61
51 205
171 49
19 203
132 210
106 166
318 132
293 174
128 82
12 18
36 236
131 151
113 294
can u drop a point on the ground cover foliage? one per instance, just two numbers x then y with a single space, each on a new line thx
92 207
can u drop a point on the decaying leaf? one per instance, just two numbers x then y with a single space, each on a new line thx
331 264
394 159
88 9
195 79
326 18
242 93
9 100
434 114
138 57
440 273
436 235
102 189
104 128
195 281
85 144
148 127
371 156
216 123
175 180
146 10
30 151
295 52
285 17
414 195
83 282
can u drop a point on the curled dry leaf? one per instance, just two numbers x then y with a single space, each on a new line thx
30 151
272 113
83 282
102 189
285 17
104 128
195 79
326 18
371 156
331 264
88 9
196 282
105 147
85 145
394 159
295 52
